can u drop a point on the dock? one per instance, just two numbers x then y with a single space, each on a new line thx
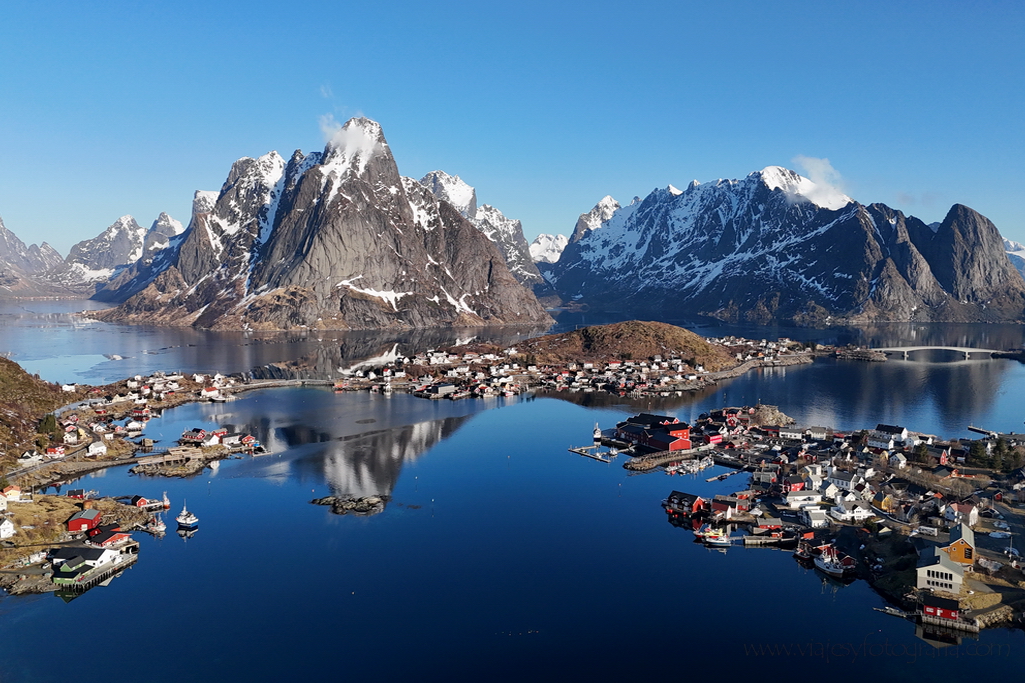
594 453
646 463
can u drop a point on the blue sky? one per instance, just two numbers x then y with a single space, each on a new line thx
127 108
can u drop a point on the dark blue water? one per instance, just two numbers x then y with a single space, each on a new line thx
500 555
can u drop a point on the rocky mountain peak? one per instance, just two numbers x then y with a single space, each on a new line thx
796 187
452 189
593 219
506 233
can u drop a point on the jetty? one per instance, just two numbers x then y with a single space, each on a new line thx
650 461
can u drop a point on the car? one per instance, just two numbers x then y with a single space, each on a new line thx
1011 552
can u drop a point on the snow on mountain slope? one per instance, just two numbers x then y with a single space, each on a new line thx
593 219
547 248
1016 252
506 233
767 247
328 240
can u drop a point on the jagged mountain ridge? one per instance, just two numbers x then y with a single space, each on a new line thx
334 239
91 263
774 247
21 264
506 233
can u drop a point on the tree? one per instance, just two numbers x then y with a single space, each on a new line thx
920 453
978 456
48 425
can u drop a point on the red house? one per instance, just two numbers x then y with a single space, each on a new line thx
942 608
55 450
84 520
139 501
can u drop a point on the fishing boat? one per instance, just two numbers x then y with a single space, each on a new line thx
156 526
186 519
834 563
717 537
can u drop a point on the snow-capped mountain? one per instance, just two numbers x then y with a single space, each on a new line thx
21 266
92 262
591 220
547 248
775 246
333 240
506 233
1016 252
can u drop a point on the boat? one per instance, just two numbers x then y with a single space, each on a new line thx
999 534
156 526
834 563
186 519
717 537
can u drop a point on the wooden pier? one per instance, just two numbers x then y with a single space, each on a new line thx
98 575
645 463
595 454
179 454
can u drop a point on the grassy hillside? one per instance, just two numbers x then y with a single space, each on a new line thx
23 401
631 340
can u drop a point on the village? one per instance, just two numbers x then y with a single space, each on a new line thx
490 372
72 541
929 523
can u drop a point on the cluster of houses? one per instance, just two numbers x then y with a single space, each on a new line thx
485 374
9 495
218 437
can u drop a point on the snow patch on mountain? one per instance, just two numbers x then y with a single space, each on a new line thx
454 190
506 233
547 248
1016 252
797 187
593 219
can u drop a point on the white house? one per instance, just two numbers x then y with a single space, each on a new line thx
6 528
936 571
97 449
898 461
71 438
849 511
798 499
3 503
792 433
70 388
844 481
814 517
962 513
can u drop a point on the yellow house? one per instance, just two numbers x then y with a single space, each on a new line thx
961 547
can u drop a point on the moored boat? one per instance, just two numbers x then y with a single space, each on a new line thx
834 563
186 519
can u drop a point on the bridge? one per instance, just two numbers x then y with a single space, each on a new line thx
966 350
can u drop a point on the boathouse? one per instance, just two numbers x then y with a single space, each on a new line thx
942 608
84 520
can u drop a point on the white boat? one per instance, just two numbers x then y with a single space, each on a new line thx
186 519
999 534
834 563
156 526
714 537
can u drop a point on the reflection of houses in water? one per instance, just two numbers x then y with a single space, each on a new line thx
939 636
369 464
364 348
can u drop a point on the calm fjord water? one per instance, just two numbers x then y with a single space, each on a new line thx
499 557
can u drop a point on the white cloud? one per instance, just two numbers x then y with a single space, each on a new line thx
828 188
